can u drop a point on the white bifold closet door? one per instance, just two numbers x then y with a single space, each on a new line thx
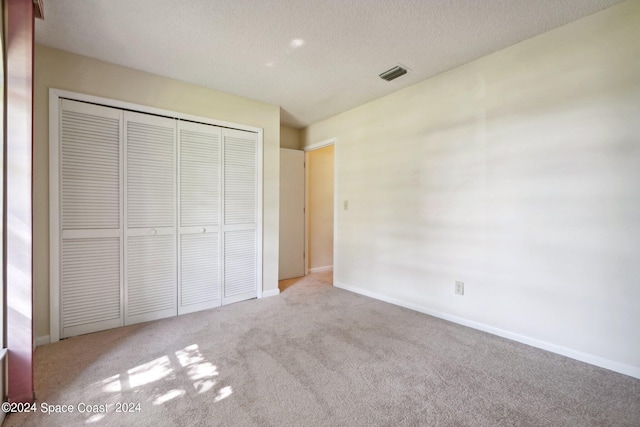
199 243
158 217
90 218
240 214
150 217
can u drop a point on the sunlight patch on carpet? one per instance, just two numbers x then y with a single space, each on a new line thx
224 392
94 418
149 372
198 369
111 384
168 378
171 394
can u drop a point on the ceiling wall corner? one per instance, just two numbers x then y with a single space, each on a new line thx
38 9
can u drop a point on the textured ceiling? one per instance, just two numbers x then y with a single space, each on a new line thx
313 58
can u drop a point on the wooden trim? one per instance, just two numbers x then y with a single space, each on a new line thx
271 293
54 220
19 211
260 217
321 269
38 8
320 144
312 147
107 102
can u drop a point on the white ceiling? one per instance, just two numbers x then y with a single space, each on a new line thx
247 47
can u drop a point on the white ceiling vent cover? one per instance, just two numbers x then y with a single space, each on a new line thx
393 73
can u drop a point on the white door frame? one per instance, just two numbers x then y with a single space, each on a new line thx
307 149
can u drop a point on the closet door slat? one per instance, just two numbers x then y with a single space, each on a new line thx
151 171
90 170
90 285
90 155
151 280
240 183
199 285
200 270
240 178
239 264
199 176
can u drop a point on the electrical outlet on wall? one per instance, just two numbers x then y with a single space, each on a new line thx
459 288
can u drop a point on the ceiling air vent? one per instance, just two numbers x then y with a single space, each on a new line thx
393 73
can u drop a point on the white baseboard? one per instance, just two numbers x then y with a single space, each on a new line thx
271 293
632 371
320 269
43 340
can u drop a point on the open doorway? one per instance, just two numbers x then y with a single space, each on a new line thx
306 232
319 202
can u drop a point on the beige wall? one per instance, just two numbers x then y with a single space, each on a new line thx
518 174
290 138
320 207
62 70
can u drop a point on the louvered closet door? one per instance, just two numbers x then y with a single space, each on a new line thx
91 231
199 274
240 212
150 214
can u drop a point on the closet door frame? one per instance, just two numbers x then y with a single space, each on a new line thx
55 97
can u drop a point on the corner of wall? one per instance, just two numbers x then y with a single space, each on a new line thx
290 138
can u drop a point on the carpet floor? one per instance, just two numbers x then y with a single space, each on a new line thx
317 356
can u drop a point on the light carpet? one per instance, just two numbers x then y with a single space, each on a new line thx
319 356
